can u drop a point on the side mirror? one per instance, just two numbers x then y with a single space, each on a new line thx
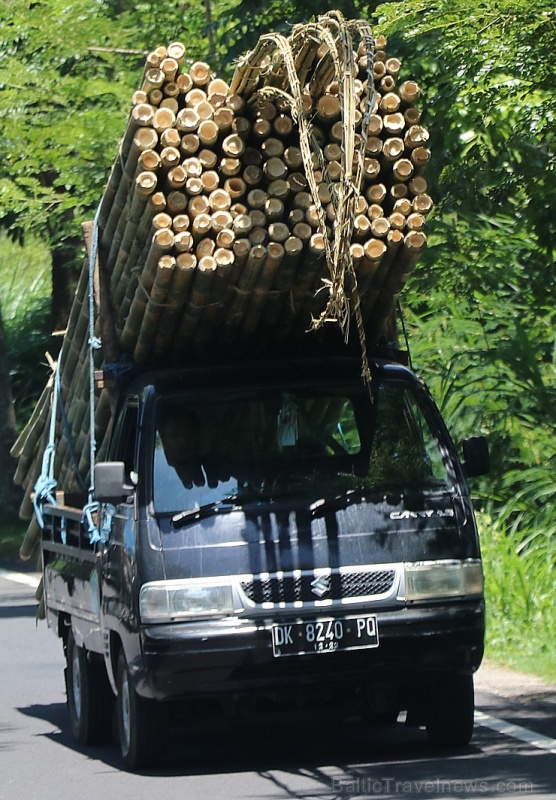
476 456
110 484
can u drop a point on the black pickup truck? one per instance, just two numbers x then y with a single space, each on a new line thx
278 532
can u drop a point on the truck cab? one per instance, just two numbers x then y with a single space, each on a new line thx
282 532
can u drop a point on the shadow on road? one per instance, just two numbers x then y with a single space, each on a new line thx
334 761
222 745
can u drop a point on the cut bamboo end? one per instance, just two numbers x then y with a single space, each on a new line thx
208 132
176 50
177 201
198 205
422 203
153 79
169 66
195 96
145 183
393 148
149 160
200 73
220 200
409 92
201 225
163 118
170 157
184 82
233 145
218 86
183 242
416 136
187 120
235 188
205 247
189 144
221 219
210 180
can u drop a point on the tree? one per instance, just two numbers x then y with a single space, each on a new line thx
62 106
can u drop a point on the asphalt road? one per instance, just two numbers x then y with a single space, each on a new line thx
512 754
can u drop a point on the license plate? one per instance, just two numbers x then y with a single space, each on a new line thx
324 636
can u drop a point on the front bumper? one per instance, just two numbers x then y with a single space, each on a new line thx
216 657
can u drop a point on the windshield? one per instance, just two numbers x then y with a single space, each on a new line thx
294 446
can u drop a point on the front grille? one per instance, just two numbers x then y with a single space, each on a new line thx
291 589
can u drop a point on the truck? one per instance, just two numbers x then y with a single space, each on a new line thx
237 510
271 530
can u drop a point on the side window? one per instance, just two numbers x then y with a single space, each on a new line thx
404 449
125 438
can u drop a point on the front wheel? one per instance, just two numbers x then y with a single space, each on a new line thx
89 696
452 711
138 723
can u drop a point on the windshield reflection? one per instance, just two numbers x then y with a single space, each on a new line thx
297 448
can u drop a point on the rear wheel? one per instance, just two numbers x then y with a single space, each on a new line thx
138 723
452 711
89 696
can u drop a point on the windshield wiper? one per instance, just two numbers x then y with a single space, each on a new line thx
321 507
201 512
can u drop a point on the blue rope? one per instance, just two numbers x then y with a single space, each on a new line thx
94 534
46 483
94 344
119 368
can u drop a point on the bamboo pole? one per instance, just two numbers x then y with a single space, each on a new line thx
214 308
198 297
242 292
162 242
183 275
274 257
281 176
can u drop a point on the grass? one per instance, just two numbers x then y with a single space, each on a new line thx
521 613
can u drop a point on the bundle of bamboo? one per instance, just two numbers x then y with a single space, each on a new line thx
239 216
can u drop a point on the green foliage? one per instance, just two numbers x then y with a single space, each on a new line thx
67 74
481 306
247 20
200 25
12 533
63 107
489 103
25 303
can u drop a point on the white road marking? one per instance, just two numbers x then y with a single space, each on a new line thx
516 732
20 577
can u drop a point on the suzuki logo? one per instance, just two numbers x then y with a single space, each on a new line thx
321 585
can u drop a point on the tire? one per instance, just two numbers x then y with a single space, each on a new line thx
89 697
451 713
138 723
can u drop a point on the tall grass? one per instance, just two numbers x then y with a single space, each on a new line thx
519 581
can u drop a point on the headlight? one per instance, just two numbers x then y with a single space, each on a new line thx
163 601
430 581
